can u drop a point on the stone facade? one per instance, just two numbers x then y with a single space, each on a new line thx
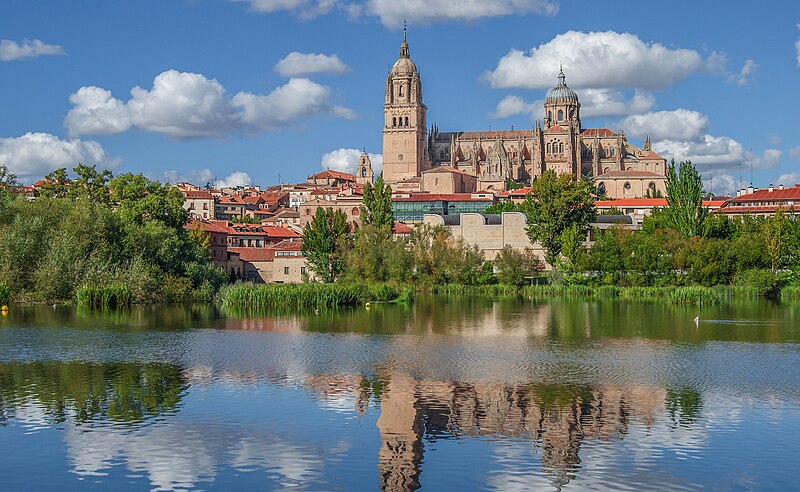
559 143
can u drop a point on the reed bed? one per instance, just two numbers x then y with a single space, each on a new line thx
106 296
791 293
309 296
695 294
5 294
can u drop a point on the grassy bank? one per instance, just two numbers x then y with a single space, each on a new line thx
108 296
310 296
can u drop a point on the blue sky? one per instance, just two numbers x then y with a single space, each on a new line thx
197 89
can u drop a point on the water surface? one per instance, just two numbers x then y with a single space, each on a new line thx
456 394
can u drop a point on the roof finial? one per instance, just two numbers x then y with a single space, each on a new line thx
561 77
404 47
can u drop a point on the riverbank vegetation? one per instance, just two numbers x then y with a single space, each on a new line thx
311 295
101 235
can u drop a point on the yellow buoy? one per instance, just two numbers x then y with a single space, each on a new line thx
4 310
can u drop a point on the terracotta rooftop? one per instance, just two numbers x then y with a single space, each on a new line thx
629 174
764 195
400 228
220 226
599 132
198 195
333 174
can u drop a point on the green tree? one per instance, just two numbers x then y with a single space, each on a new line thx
685 198
56 184
377 205
138 200
439 258
325 241
90 184
8 180
554 204
377 256
516 267
512 185
776 234
500 207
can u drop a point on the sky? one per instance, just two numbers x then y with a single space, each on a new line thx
267 91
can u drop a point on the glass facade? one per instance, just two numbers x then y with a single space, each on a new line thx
415 211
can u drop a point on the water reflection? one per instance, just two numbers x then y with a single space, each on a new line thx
502 395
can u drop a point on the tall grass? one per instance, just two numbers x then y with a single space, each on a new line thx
695 294
5 294
476 290
106 296
308 296
791 293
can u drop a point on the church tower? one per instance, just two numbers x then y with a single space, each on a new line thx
364 174
404 127
561 107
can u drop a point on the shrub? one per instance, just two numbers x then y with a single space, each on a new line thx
107 296
5 294
762 282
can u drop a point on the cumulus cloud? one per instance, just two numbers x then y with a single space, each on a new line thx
36 154
794 153
680 124
598 60
199 177
788 179
769 159
392 13
12 50
186 105
297 64
346 160
717 152
235 179
719 183
594 102
604 102
513 105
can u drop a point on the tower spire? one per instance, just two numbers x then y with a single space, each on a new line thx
404 53
561 77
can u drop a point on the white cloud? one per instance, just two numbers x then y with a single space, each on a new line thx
346 160
199 177
707 150
604 102
794 153
393 12
797 48
36 154
512 105
680 124
720 184
599 60
96 112
775 139
594 102
771 158
189 105
235 179
717 152
788 179
11 50
306 9
299 64
741 78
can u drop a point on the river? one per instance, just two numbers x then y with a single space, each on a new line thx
445 394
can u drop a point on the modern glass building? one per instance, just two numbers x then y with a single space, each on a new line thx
413 208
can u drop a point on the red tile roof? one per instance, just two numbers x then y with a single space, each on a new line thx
218 226
629 174
262 230
495 134
198 195
764 195
333 174
254 254
400 228
555 128
598 132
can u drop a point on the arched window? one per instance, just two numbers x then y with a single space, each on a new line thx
601 189
652 186
549 147
406 120
394 121
400 90
549 115
363 172
561 148
560 115
355 211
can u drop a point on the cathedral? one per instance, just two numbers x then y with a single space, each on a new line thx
415 159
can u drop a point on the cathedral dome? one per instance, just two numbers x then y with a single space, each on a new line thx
404 66
561 93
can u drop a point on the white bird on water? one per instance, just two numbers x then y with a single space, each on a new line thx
697 320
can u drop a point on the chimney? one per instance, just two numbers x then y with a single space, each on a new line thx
771 188
750 189
780 186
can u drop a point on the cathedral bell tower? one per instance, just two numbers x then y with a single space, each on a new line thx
364 174
404 126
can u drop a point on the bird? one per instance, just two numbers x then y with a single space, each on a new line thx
697 319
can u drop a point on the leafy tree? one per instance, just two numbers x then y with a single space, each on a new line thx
516 267
56 184
138 200
8 180
554 204
439 258
377 256
512 185
500 207
776 234
90 184
325 242
377 208
685 198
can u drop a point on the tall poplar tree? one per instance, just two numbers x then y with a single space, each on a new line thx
685 213
377 208
325 242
